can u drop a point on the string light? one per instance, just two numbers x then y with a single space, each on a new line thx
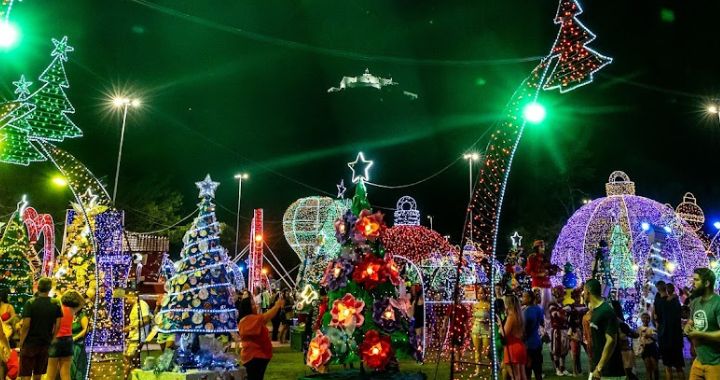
575 62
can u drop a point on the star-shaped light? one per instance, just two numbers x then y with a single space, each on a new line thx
207 187
21 87
88 199
516 239
363 169
61 48
341 189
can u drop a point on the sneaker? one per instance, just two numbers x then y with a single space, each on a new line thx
558 372
566 373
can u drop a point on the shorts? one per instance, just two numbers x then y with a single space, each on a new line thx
650 351
33 361
700 371
61 347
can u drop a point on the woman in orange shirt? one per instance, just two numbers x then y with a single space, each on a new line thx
255 344
61 349
515 354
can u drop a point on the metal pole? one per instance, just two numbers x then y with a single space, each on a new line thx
122 139
237 222
470 199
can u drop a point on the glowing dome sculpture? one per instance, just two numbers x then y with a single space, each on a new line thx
309 228
309 223
639 217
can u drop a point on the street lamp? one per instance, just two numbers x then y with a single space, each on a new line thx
714 109
239 177
430 218
471 157
124 103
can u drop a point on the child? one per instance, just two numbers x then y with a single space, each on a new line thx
648 347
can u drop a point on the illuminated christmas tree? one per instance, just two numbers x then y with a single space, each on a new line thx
49 120
15 146
575 63
364 320
621 260
16 275
199 294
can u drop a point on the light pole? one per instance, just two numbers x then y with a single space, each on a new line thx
240 177
430 218
471 157
125 103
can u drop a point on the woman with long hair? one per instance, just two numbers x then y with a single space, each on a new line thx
255 344
481 325
60 352
515 353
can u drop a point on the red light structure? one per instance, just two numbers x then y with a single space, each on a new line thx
255 277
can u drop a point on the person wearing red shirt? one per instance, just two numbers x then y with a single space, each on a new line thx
256 347
537 268
61 348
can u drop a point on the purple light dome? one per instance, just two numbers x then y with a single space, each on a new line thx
644 220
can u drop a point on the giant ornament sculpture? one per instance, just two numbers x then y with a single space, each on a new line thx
638 217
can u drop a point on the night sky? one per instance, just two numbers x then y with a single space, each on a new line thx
241 86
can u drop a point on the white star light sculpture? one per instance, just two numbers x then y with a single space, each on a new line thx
516 239
22 87
88 199
207 187
341 189
365 166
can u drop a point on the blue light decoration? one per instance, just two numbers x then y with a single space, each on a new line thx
106 331
569 65
200 293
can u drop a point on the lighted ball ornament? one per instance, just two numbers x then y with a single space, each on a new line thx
634 216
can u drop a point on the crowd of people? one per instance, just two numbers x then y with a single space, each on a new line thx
47 338
597 325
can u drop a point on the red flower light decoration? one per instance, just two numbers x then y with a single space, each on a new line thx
393 272
369 272
318 352
376 350
347 312
370 225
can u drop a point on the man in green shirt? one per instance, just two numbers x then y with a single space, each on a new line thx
604 328
703 328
